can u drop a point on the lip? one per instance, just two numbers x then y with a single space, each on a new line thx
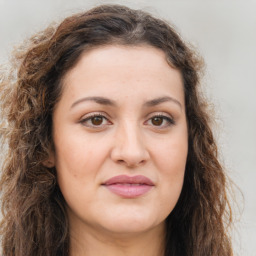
129 186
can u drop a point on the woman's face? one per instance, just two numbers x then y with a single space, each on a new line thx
120 137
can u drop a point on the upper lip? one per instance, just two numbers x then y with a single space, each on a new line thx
124 179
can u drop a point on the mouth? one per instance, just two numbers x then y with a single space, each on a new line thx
129 186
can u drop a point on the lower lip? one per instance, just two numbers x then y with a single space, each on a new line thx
129 190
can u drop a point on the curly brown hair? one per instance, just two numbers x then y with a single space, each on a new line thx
34 220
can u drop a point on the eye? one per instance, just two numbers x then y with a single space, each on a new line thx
95 121
157 120
160 121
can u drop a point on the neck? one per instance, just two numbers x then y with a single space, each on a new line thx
91 243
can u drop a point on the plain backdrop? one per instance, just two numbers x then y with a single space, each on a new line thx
224 31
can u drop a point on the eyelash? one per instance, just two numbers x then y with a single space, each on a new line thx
170 121
90 117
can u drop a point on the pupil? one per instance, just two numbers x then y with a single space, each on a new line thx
97 120
157 121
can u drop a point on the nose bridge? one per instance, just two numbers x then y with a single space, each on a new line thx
129 146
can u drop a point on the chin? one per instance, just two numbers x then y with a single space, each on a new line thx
133 223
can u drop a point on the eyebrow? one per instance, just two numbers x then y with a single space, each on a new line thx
160 100
99 100
108 102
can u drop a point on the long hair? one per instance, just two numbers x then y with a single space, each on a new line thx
34 220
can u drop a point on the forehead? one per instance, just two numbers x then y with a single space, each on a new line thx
116 69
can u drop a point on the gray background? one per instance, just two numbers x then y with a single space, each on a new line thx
224 31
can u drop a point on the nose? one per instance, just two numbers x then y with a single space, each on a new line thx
129 147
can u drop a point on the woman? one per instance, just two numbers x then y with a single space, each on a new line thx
110 148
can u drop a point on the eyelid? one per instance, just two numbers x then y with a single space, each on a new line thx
89 116
167 117
161 114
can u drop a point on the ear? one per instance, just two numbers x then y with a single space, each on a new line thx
50 161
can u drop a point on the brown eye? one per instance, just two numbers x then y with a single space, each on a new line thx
160 121
97 120
157 120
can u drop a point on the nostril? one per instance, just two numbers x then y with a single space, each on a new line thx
131 153
131 164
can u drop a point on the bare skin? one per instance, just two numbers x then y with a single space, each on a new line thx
144 244
122 112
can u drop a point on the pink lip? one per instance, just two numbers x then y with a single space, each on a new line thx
129 187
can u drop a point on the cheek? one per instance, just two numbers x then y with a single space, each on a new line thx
171 155
77 167
78 162
78 155
170 160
